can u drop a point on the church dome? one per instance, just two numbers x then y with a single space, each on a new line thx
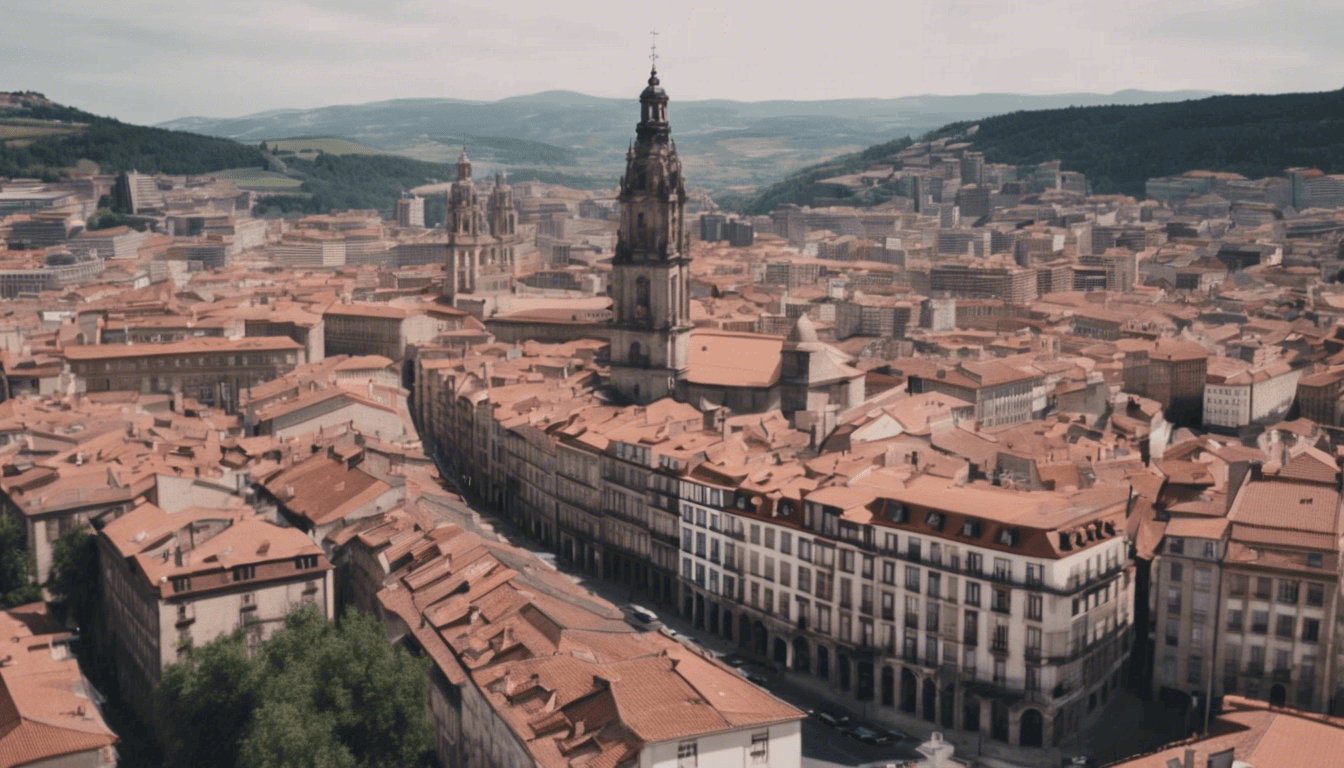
654 89
803 331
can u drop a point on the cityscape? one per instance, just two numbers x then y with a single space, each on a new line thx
1012 442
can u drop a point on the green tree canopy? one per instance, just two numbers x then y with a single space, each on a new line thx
74 570
316 695
17 570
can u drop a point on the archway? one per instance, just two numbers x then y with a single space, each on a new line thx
699 611
998 720
863 686
1278 695
947 706
802 655
888 687
761 640
744 630
727 625
909 691
930 700
781 652
823 663
842 663
1031 728
970 714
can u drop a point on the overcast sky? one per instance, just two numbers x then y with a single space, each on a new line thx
147 62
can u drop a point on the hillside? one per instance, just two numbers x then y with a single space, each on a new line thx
1119 147
722 143
40 138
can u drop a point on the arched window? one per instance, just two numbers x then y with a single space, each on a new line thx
642 312
636 353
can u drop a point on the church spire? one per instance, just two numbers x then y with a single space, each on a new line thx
463 165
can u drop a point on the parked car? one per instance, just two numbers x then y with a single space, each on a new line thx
735 660
832 717
640 617
893 736
869 734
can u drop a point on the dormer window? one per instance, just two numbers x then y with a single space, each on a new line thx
244 572
1008 537
181 583
971 528
934 520
304 562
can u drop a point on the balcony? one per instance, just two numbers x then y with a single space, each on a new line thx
1032 653
1281 675
1255 670
912 620
888 614
970 640
998 645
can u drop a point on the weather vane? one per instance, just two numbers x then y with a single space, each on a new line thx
653 50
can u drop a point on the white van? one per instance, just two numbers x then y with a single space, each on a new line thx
640 617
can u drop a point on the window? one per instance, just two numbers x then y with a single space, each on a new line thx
1203 577
1034 603
847 560
973 593
1283 626
244 572
1262 587
912 578
1176 546
1314 560
1194 671
1173 600
1315 594
1259 622
1234 618
1033 649
974 562
935 584
1288 591
181 583
755 539
1311 630
1002 600
686 754
1035 574
760 748
305 562
912 550
1003 569
1173 632
1177 571
785 543
1209 551
1238 584
769 538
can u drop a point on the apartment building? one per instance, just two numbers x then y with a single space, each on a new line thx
1172 372
1241 396
386 330
172 581
1280 589
531 670
211 370
1000 393
936 603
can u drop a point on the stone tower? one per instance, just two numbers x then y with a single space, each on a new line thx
650 282
502 216
470 246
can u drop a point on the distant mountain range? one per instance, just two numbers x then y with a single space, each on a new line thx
723 144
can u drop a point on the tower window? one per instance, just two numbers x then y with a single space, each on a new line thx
642 298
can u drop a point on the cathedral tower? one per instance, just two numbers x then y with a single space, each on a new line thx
650 282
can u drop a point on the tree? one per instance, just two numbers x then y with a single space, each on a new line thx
17 569
74 576
316 694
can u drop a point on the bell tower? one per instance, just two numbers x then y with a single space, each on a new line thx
470 244
650 282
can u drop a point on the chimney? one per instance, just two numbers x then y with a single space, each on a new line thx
1189 757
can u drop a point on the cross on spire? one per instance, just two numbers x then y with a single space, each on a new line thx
653 52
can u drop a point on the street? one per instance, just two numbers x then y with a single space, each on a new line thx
823 747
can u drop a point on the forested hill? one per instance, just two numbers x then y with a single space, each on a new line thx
1119 147
44 137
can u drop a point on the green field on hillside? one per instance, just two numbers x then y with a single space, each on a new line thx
330 145
255 178
20 132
